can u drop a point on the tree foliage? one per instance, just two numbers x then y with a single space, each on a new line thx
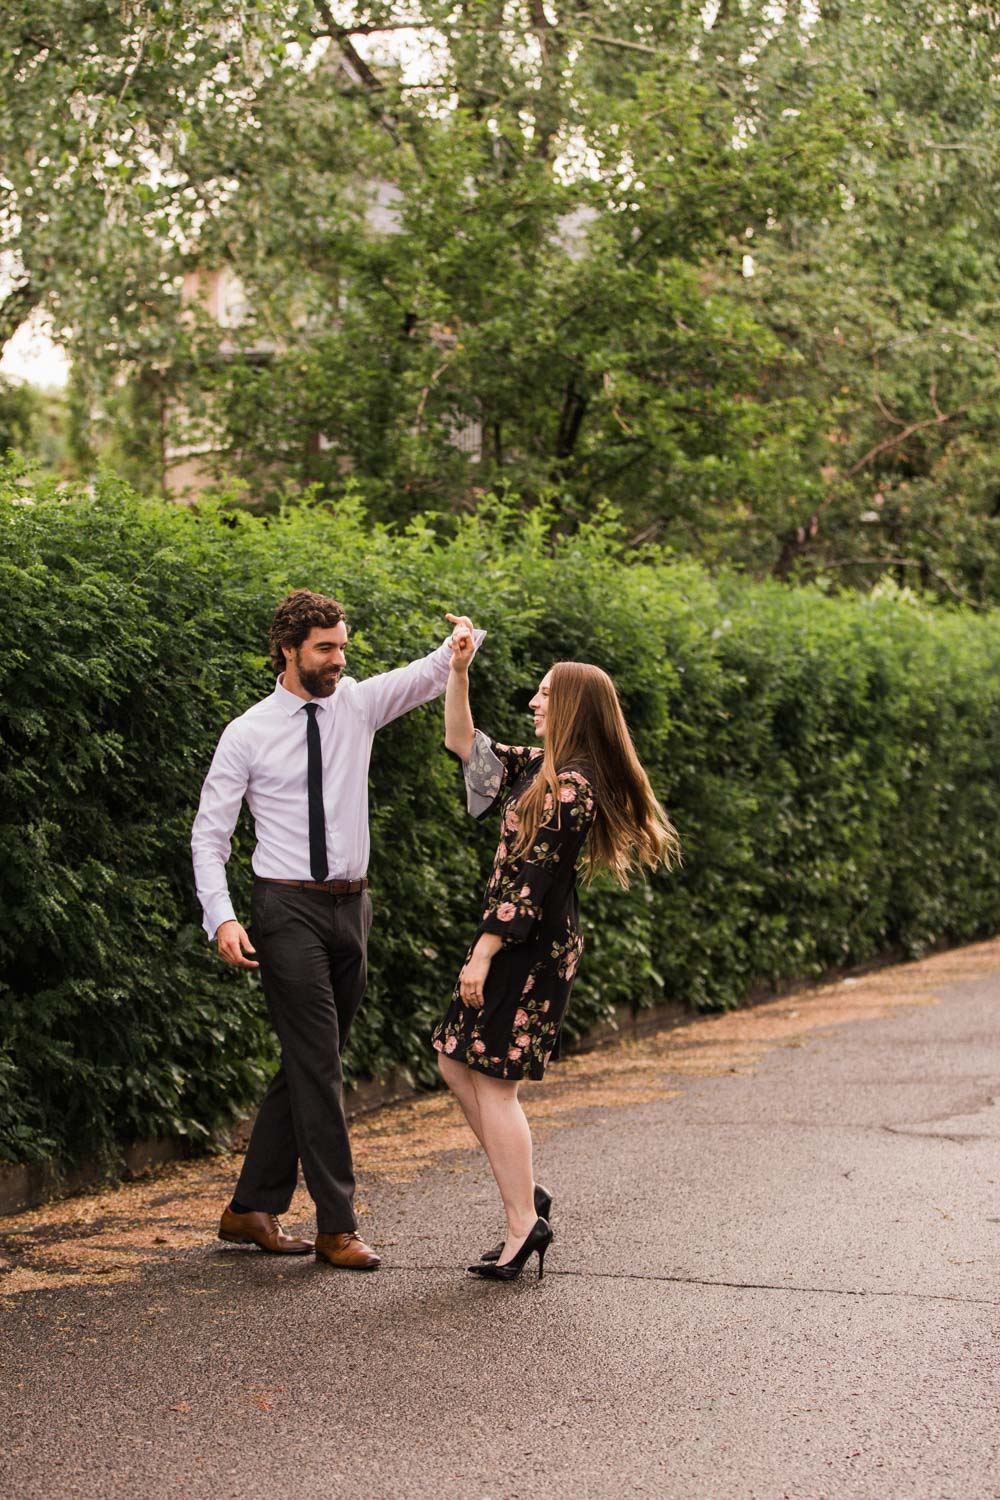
516 260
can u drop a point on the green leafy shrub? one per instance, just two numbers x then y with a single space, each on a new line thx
828 761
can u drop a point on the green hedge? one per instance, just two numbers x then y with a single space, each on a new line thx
830 763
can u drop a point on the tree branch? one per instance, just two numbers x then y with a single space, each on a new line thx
370 28
896 421
570 420
343 38
871 562
372 83
541 26
900 437
956 146
615 41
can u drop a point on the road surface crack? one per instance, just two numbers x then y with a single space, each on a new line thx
743 1286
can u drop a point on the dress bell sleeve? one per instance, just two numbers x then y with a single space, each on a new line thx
489 769
515 900
484 776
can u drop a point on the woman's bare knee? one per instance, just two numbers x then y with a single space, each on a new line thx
445 1066
453 1073
494 1090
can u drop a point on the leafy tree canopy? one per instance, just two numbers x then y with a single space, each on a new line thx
511 244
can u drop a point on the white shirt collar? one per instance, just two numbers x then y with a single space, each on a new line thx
290 703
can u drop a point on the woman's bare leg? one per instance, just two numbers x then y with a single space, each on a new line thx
459 1079
506 1140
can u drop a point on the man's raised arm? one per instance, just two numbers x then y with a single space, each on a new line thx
390 694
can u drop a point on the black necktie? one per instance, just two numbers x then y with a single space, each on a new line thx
317 822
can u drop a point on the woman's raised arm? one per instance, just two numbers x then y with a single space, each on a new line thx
459 730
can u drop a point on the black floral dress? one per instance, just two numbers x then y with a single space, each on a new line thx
531 903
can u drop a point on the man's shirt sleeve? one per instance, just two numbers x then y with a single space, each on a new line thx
211 836
390 694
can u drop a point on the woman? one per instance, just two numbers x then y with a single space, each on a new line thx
584 790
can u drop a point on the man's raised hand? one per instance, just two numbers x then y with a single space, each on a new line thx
233 943
462 643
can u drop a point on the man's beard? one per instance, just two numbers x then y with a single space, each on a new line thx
320 683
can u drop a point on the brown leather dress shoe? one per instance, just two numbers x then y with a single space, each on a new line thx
348 1251
262 1230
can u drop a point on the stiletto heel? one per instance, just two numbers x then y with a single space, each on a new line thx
543 1208
539 1240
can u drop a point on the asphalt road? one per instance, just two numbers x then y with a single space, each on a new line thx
775 1274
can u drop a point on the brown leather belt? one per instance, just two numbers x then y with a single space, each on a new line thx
332 887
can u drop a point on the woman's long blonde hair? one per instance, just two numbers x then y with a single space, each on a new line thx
586 730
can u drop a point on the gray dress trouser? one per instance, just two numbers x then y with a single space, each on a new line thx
312 950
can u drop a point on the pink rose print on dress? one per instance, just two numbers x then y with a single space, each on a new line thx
438 1045
451 1044
529 984
523 1041
571 967
478 1046
525 892
506 911
567 794
513 821
501 851
520 1020
514 1053
545 1005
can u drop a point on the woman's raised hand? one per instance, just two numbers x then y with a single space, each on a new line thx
463 642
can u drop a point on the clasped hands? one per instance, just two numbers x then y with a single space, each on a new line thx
462 642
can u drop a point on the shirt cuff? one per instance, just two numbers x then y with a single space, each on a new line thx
221 911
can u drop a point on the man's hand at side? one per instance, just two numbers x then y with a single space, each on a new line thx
233 943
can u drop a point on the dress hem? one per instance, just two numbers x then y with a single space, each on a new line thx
526 1074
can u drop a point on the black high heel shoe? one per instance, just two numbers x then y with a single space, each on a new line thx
543 1208
538 1240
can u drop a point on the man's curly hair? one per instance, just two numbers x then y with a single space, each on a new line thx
296 616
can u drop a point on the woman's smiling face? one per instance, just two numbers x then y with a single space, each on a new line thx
539 705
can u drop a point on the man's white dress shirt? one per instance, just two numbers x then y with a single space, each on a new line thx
262 756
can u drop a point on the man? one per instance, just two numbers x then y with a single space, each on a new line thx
300 757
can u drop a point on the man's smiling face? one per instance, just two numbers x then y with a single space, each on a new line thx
320 659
